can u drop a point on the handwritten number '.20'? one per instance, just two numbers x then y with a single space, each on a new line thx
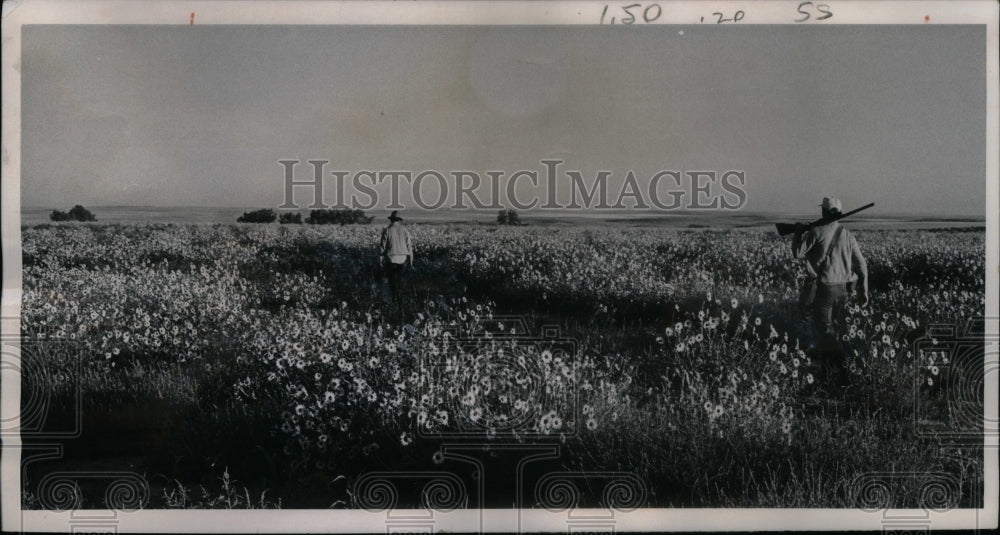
738 16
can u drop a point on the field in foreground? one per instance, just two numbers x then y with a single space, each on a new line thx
241 365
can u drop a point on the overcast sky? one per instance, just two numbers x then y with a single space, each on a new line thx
200 116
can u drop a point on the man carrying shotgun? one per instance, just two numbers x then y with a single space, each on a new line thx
836 270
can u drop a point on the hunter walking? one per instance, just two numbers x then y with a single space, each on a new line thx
396 253
836 271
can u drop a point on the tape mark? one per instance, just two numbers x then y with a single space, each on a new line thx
192 18
927 18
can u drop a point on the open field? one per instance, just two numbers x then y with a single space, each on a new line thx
265 353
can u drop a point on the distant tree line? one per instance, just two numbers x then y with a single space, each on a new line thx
316 217
265 215
508 217
290 217
338 217
77 213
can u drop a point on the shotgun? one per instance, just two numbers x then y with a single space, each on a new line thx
785 229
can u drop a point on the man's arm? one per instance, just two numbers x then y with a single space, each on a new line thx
861 267
383 242
802 241
409 249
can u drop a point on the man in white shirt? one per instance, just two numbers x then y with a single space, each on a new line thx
835 265
396 253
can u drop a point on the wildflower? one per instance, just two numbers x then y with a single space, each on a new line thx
405 438
591 424
809 378
546 422
734 303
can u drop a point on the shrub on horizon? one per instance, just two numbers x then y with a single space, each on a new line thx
338 217
290 217
265 215
508 217
77 213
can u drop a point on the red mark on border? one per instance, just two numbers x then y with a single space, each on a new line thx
192 18
927 18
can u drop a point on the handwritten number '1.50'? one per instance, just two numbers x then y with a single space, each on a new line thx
649 14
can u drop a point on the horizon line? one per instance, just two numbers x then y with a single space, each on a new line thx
554 213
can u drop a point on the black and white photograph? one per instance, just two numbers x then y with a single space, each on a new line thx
499 266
